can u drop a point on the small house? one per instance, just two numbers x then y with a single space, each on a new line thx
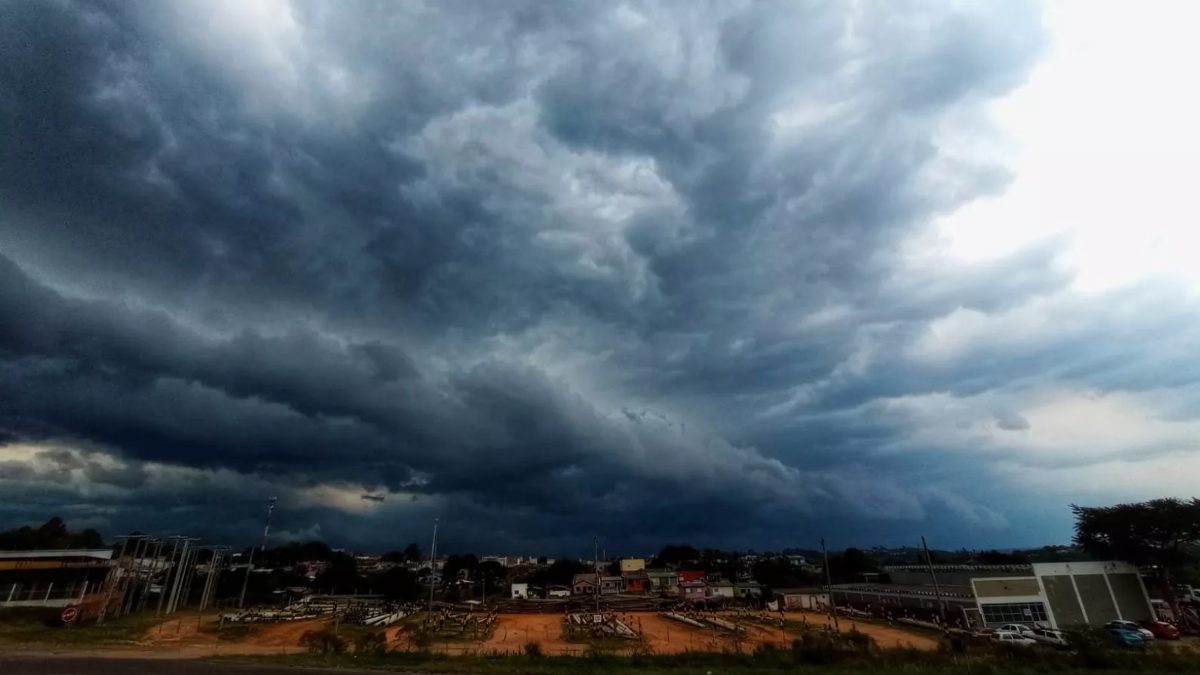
693 591
802 598
636 582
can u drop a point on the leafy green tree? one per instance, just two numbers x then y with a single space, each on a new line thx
457 563
51 534
779 573
560 573
411 553
850 564
493 575
398 584
1158 534
340 577
674 555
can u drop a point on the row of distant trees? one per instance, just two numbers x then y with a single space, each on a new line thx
1161 535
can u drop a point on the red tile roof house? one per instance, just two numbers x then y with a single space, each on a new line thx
690 575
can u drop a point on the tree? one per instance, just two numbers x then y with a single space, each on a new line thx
779 573
411 553
1155 534
560 573
398 583
850 564
456 563
674 555
994 557
491 575
340 577
51 534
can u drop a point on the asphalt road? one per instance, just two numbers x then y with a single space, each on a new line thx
76 665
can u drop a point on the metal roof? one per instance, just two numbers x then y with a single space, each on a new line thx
98 553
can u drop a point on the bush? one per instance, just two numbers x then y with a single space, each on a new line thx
860 642
371 643
533 650
322 642
817 649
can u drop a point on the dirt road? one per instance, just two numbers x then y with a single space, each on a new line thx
885 636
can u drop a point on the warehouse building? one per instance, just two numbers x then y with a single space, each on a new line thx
52 578
1056 595
1064 594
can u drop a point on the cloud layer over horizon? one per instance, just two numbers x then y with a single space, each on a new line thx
654 271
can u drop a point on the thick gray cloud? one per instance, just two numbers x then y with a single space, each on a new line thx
542 269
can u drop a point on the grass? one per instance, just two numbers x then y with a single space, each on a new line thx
36 628
984 662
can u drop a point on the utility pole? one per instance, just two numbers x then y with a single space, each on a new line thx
829 588
596 566
114 578
250 562
937 591
141 605
168 571
432 567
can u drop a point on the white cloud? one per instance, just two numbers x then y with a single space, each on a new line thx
1107 150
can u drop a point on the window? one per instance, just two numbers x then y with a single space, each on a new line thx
1014 612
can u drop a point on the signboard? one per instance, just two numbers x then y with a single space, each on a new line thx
69 614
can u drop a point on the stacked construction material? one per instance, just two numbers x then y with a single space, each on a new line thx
600 625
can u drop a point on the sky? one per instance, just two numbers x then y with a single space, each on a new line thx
743 274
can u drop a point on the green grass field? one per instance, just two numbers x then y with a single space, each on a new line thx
29 628
986 662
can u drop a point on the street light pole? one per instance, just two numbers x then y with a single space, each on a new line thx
250 562
432 566
829 587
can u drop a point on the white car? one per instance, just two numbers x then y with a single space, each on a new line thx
1048 636
1018 628
1005 637
1131 627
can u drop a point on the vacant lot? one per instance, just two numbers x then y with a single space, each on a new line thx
190 636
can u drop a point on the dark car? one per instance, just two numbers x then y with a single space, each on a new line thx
1162 630
1125 637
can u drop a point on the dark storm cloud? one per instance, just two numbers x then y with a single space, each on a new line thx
545 268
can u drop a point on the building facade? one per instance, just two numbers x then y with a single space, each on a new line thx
1061 595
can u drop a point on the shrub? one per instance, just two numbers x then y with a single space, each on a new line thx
817 649
322 642
860 642
371 643
533 650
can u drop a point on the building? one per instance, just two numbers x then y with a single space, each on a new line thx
693 591
632 565
558 592
721 589
56 578
690 575
636 582
814 599
585 584
662 581
1065 594
519 591
1056 595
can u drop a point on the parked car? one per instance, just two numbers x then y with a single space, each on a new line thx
1130 626
1018 628
1161 630
1006 637
1048 636
1126 638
